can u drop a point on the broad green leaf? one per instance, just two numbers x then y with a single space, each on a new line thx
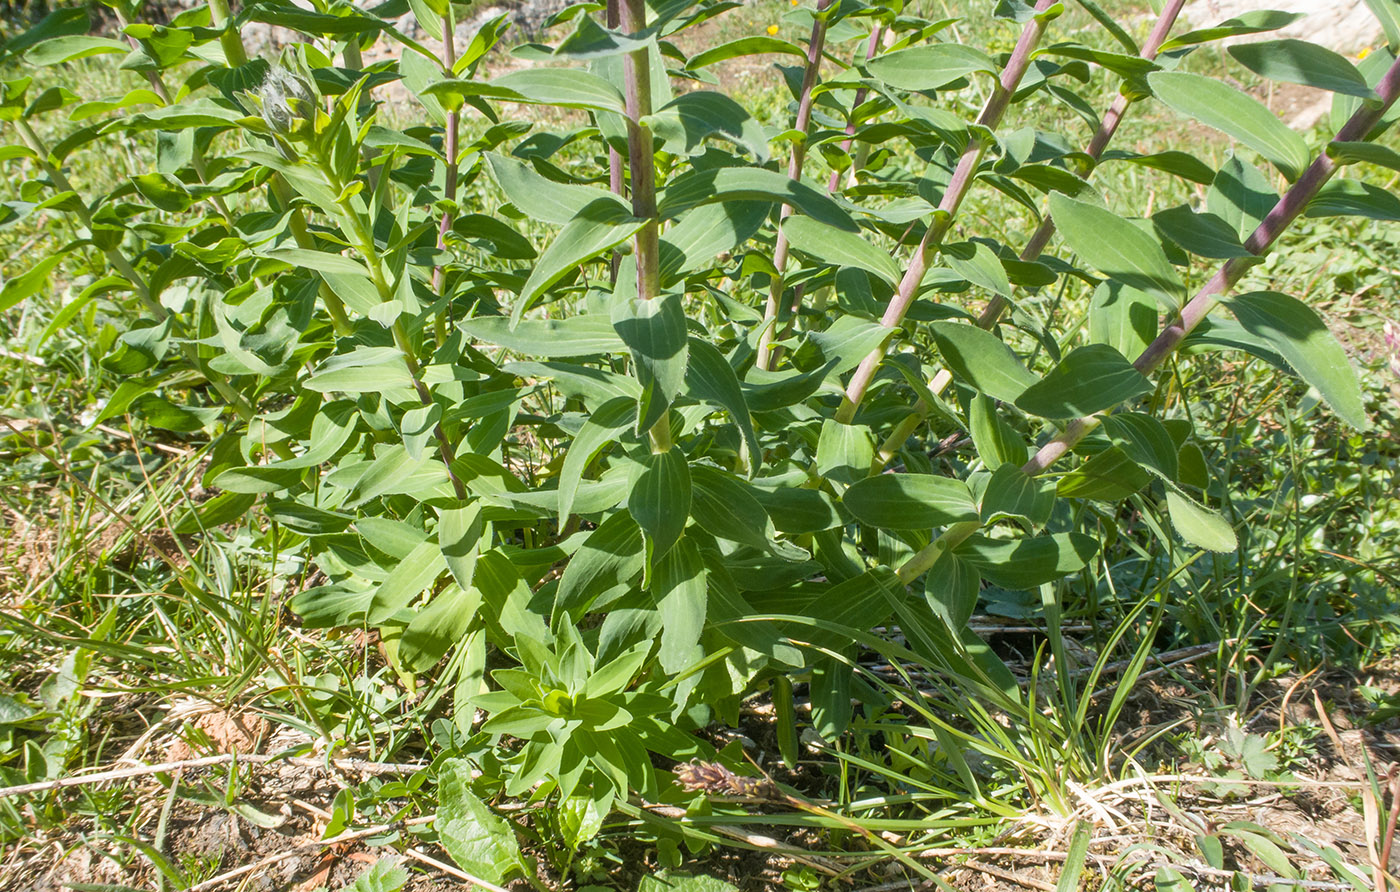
1226 109
725 507
685 122
1344 197
587 335
1241 195
1088 380
460 533
1013 493
725 184
692 243
1300 62
1122 317
592 41
437 627
845 452
929 67
363 370
1388 14
978 264
709 377
981 359
1118 249
1303 339
799 511
767 391
744 46
190 113
1368 152
1252 22
481 842
996 442
660 500
29 282
600 430
1026 563
539 197
838 247
611 556
655 333
1181 164
952 587
598 226
678 585
1204 234
77 46
409 579
1198 524
1109 476
910 501
564 87
849 340
1145 440
679 882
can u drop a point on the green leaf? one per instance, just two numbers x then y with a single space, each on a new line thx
996 442
1303 339
693 242
1145 440
929 67
1368 152
1353 198
1300 62
1226 109
73 47
409 579
849 340
1119 250
363 370
600 430
611 556
436 628
981 359
1110 476
952 587
655 332
838 247
600 225
1204 235
685 122
845 452
539 197
1026 563
481 842
725 184
910 501
587 335
384 875
660 500
1241 195
460 533
978 264
1181 164
1169 880
680 591
29 282
1253 22
1198 524
1388 14
1013 493
679 882
709 377
563 87
592 41
744 46
1122 317
1088 380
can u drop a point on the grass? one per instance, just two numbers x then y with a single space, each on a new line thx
129 634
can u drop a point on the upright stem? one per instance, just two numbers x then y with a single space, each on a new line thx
220 15
449 146
798 155
636 71
876 34
958 187
1039 239
615 164
1284 212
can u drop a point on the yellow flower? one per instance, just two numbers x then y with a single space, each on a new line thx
772 30
793 2
1364 53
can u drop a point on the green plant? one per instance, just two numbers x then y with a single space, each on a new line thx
596 431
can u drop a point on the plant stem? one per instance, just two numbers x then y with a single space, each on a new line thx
636 73
1039 239
1284 212
958 187
220 15
449 145
815 44
615 163
873 44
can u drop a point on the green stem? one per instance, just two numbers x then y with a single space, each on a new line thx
220 15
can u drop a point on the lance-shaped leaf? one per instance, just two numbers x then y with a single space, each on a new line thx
1300 62
981 359
838 247
709 377
587 335
600 225
600 430
1026 563
1013 493
610 557
655 332
1088 380
660 500
1204 235
1198 524
680 592
685 122
481 842
910 501
1226 109
725 184
566 87
539 197
1301 337
1117 248
744 46
929 67
1253 22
